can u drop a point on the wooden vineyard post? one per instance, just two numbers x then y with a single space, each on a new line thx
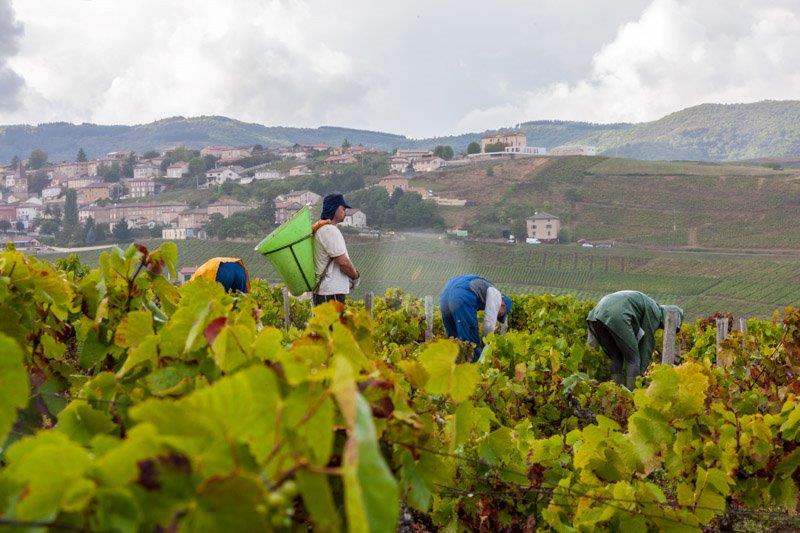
428 317
368 302
669 351
574 261
286 317
741 326
722 334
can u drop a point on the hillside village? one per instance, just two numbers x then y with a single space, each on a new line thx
124 194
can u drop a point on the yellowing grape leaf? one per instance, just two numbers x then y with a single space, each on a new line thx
14 385
444 375
134 328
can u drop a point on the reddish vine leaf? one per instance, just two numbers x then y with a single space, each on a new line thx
213 328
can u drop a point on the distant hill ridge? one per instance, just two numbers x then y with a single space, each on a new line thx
707 132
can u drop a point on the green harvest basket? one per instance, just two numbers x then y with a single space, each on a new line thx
290 249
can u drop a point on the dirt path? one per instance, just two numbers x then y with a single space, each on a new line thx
79 249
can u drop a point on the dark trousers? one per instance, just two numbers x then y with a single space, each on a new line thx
322 298
232 276
619 352
460 317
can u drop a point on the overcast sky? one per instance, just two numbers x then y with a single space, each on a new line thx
420 68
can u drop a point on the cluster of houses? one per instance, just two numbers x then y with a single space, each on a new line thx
515 144
103 201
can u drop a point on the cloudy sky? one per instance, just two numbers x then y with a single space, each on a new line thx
420 68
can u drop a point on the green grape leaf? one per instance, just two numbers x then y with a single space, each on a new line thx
174 380
81 422
344 343
237 408
230 503
268 345
146 351
371 492
444 375
31 463
117 510
318 500
52 348
13 384
309 418
791 428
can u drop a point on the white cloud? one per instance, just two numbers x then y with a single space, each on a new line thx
678 53
415 67
133 62
11 83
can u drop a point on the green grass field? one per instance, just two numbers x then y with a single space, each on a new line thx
702 283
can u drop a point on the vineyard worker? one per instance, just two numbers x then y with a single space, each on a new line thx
230 272
460 301
336 274
624 325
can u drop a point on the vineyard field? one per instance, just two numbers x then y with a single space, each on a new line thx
130 404
701 283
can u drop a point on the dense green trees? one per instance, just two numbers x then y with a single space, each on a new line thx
121 232
495 147
444 151
70 222
37 181
473 148
251 223
401 210
37 159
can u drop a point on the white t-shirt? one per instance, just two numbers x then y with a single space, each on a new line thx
329 243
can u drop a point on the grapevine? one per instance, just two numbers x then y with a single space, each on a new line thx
188 408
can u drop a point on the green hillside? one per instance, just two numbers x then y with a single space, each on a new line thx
709 132
675 205
701 283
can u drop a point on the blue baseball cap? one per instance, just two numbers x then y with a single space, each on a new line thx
330 204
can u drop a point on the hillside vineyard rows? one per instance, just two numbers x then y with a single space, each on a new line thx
191 409
701 283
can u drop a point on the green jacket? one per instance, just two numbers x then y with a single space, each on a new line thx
625 313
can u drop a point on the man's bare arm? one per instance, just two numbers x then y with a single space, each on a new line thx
346 266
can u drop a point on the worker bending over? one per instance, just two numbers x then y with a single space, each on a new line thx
624 325
230 272
460 301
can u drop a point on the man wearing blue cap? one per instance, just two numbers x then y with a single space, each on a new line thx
336 274
462 298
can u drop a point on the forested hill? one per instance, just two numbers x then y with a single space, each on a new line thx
708 132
